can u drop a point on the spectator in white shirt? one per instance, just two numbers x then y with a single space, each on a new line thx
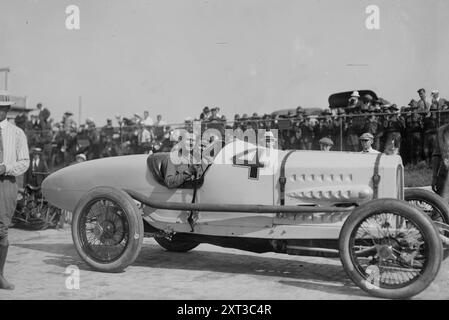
159 121
424 103
145 137
147 120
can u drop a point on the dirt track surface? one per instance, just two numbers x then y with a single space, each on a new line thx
37 262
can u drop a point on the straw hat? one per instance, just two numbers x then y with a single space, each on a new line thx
355 94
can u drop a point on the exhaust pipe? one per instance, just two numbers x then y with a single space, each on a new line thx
215 207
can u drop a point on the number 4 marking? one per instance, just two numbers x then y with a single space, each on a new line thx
242 160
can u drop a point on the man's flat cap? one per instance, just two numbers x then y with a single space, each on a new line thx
366 136
326 141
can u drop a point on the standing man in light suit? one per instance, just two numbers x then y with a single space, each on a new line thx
14 161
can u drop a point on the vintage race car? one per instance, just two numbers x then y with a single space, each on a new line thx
335 204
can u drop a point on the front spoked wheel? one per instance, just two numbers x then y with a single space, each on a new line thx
390 249
107 229
104 230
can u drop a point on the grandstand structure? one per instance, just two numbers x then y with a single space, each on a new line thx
20 102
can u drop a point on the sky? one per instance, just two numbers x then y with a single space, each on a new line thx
173 57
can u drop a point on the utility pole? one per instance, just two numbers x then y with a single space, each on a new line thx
79 110
6 71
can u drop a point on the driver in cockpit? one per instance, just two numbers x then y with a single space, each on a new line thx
186 172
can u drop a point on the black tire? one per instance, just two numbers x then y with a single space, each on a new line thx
126 223
176 245
420 197
432 248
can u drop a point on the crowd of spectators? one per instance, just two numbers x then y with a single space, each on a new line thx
63 143
410 129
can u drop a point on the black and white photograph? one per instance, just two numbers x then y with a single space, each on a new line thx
242 151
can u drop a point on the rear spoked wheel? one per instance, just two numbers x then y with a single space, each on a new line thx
431 204
176 245
390 249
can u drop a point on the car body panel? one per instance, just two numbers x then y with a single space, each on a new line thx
65 187
313 178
